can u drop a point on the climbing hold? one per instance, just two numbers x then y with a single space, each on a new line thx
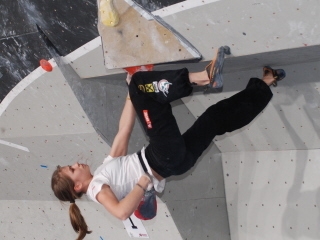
46 65
143 68
108 14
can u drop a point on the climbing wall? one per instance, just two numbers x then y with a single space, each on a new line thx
47 120
47 219
43 125
273 195
132 36
270 167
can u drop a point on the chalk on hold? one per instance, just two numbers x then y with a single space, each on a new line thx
46 65
108 14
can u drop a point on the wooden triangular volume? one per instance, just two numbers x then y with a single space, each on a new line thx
130 39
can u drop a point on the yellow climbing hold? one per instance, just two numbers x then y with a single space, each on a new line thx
108 14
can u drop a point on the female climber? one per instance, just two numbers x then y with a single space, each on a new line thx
122 180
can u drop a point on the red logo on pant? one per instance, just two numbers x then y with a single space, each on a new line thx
146 117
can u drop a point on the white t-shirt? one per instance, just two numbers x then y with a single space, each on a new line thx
121 174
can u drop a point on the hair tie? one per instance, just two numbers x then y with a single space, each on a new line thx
72 201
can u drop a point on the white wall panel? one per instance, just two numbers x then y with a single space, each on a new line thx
248 27
88 60
45 106
273 194
49 220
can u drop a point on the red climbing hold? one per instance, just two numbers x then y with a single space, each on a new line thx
132 70
46 65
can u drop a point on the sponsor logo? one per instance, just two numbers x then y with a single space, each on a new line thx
141 88
146 117
163 86
155 86
149 87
